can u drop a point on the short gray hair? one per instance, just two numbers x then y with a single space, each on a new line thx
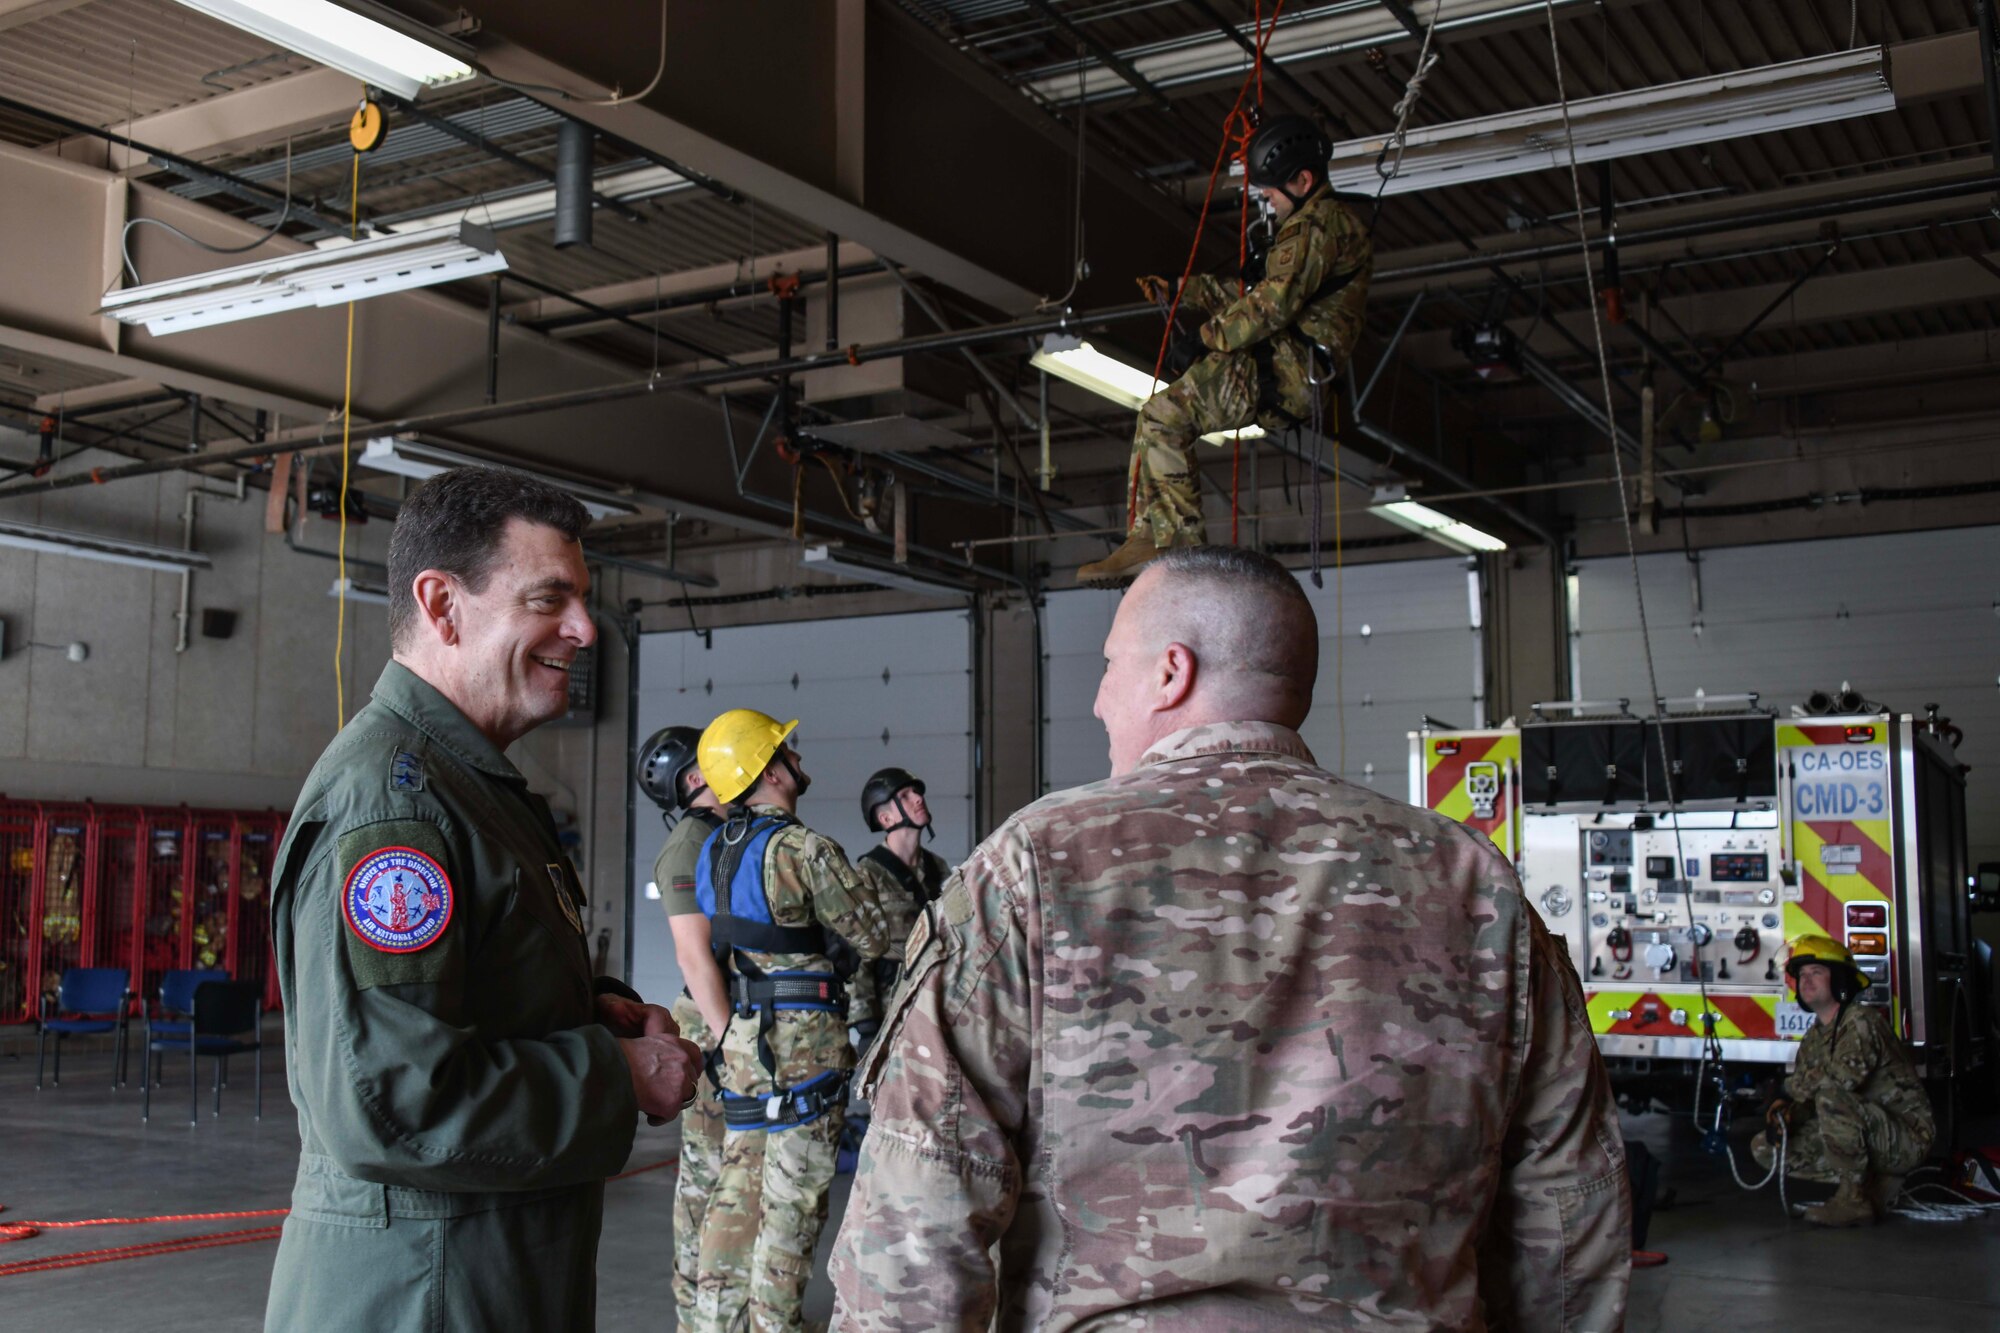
1238 566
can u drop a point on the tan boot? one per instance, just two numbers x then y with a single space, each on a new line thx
1122 563
1849 1207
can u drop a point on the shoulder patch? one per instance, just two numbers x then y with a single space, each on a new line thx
1286 254
406 772
397 900
920 938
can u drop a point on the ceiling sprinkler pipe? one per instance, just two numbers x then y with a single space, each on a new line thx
574 150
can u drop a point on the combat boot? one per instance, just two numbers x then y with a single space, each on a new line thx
1883 1191
1850 1205
1122 563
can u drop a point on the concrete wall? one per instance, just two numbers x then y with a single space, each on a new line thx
228 722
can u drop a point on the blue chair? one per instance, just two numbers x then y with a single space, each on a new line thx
227 1018
170 1018
90 1001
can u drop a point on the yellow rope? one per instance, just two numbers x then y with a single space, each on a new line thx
346 435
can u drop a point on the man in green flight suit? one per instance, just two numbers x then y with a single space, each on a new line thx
670 776
776 894
1252 363
1852 1111
463 1085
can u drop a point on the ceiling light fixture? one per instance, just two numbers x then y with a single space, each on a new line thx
90 546
353 43
1072 359
1813 91
1390 503
333 275
407 456
822 559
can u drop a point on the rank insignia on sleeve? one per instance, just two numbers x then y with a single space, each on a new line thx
563 898
406 772
397 900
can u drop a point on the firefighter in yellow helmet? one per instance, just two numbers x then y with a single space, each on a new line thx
1852 1112
783 903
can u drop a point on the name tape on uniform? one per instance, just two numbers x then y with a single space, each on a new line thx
397 900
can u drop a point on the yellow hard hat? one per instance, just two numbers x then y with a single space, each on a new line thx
736 749
1822 949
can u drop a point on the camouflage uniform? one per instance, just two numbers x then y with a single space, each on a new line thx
763 1219
902 897
1232 1044
1860 1107
1220 391
701 1120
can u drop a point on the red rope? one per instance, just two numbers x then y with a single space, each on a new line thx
13 1231
1240 139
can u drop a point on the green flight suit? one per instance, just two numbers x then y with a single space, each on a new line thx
1315 287
459 1107
701 1121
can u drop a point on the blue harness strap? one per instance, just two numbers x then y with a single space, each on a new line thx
729 887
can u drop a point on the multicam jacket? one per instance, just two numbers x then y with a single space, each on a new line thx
1862 1056
1228 1043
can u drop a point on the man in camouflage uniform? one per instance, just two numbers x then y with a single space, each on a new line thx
905 876
1223 1042
669 775
1854 1113
1256 366
783 1059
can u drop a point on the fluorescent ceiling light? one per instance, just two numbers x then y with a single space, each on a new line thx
359 592
1440 528
822 559
1648 120
1108 377
341 39
1326 30
90 546
409 457
333 275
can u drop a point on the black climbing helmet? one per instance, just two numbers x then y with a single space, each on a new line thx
664 761
884 786
1282 147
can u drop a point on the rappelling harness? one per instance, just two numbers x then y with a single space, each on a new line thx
923 888
740 922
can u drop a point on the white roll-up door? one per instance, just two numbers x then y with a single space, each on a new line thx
869 692
1908 619
1407 649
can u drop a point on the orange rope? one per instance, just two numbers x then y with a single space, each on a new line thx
13 1231
1240 139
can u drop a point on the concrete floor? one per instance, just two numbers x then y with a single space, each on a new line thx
81 1151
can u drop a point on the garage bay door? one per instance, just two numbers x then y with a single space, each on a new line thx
869 692
1908 619
1407 650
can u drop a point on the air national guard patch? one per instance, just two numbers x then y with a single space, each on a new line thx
397 900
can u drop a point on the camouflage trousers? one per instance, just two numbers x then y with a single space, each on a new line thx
763 1224
701 1162
1845 1135
1218 392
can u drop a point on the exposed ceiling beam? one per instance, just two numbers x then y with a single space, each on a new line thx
14 13
97 395
758 268
262 114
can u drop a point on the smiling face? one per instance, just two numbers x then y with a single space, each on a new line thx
517 637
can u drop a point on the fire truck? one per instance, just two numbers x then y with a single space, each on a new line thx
1677 854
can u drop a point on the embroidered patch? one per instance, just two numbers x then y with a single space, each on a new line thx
920 936
406 772
568 903
397 900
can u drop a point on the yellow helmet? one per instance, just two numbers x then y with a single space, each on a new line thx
736 749
1830 952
